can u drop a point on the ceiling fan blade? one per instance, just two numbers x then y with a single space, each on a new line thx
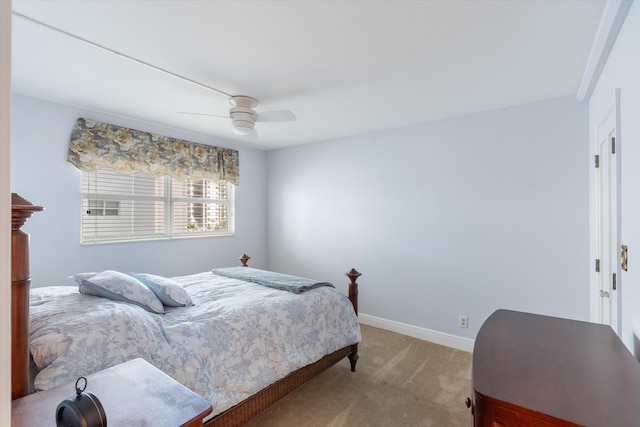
203 114
276 116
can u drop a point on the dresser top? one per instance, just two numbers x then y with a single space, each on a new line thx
575 371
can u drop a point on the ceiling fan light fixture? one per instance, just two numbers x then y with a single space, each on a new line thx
244 117
242 127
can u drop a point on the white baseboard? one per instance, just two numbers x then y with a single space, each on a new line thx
453 341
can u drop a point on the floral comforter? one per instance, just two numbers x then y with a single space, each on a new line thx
238 338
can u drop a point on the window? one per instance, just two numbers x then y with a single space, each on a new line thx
103 207
117 208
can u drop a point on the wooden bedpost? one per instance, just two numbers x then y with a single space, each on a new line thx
353 296
243 259
21 210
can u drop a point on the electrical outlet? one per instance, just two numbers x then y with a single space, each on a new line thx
463 321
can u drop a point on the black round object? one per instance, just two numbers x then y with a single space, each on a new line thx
82 410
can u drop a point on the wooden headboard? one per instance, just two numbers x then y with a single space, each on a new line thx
21 210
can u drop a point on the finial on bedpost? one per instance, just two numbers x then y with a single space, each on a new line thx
244 258
353 296
353 287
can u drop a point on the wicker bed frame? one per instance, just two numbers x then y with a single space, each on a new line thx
21 210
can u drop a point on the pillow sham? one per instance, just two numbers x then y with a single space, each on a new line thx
168 291
121 287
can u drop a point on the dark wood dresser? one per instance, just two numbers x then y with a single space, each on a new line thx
532 370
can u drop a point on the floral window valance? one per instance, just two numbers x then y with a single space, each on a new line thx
96 145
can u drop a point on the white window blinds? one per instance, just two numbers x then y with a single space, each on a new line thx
118 208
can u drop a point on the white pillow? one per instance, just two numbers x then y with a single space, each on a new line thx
168 291
120 287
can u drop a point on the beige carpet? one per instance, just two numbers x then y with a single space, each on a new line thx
400 381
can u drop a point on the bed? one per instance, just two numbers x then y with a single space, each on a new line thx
244 340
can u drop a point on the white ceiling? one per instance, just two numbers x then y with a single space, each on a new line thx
343 67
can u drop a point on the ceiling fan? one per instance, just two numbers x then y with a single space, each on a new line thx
244 117
242 114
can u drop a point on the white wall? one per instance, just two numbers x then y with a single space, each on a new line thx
40 172
5 213
462 216
622 70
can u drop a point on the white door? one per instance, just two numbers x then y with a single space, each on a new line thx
607 211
